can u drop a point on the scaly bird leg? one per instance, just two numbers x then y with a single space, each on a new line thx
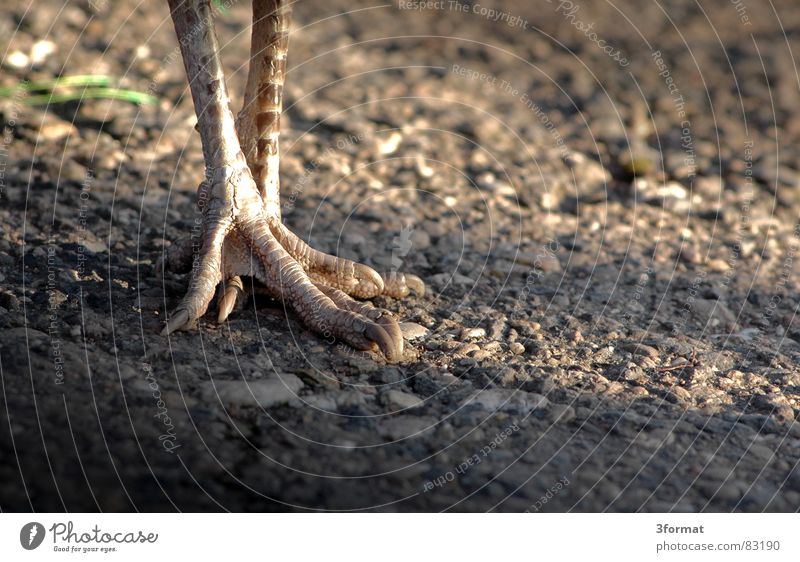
242 232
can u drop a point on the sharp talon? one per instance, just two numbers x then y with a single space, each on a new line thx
367 276
416 284
394 332
233 290
392 348
178 321
398 285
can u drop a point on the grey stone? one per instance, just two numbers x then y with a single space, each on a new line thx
506 400
413 331
274 390
401 400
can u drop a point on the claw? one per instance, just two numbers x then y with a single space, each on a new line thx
370 281
391 347
392 329
398 285
416 284
233 290
178 321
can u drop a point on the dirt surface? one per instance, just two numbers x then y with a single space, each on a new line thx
602 199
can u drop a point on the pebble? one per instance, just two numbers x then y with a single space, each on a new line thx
413 331
516 348
56 129
41 50
641 349
17 59
274 390
422 167
473 333
390 144
574 335
466 349
388 375
400 400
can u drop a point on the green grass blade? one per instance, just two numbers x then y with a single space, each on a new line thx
84 80
92 93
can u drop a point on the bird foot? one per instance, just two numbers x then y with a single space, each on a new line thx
239 238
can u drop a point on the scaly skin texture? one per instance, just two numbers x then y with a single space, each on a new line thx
242 232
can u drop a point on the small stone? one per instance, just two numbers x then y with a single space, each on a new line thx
56 129
467 362
270 391
390 144
413 331
388 375
401 400
459 279
486 181
466 349
516 348
575 335
678 394
717 264
422 167
674 190
95 246
640 349
41 50
17 59
549 263
472 333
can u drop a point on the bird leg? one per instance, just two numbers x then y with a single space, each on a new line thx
242 233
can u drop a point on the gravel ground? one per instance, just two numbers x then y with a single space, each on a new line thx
602 198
